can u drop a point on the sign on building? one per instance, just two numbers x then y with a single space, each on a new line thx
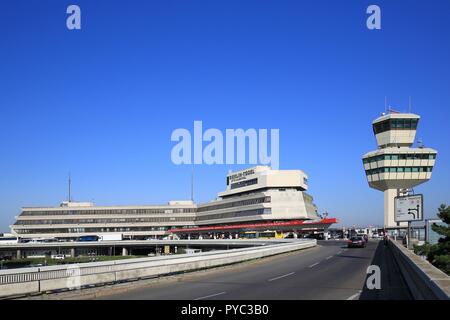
409 208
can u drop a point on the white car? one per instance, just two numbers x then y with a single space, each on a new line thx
58 256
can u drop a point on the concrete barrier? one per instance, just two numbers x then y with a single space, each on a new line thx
34 280
425 281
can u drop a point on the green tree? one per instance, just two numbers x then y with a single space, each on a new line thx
439 254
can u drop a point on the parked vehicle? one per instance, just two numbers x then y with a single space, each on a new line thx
356 242
88 238
58 256
9 240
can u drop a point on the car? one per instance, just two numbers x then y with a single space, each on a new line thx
356 242
58 256
364 236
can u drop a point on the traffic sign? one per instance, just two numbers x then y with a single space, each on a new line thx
408 208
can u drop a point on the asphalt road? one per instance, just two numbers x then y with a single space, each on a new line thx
329 271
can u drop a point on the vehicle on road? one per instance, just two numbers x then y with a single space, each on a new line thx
356 242
317 236
364 236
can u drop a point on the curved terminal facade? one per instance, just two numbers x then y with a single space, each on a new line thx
396 167
255 198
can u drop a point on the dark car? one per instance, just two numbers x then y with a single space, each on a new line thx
356 242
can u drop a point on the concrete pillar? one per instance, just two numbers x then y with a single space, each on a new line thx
389 196
389 209
72 252
124 251
19 254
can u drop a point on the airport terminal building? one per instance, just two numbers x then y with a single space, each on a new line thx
258 198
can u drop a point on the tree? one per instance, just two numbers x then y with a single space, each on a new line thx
439 254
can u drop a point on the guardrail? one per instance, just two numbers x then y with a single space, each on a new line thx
43 279
143 243
425 281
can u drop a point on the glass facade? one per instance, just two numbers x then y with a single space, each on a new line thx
409 156
103 221
398 170
235 214
106 211
395 124
234 204
244 183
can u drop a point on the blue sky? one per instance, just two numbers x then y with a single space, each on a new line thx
102 102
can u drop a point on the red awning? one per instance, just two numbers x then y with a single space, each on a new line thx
283 224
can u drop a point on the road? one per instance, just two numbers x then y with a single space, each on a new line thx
328 271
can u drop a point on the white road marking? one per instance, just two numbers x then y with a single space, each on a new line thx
328 258
315 264
339 252
211 295
284 275
353 297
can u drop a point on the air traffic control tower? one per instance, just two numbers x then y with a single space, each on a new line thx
396 167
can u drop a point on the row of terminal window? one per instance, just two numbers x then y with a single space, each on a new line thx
411 156
107 211
111 220
235 214
84 230
234 204
244 183
399 169
395 124
148 211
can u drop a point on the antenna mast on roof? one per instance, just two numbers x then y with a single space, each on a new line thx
70 182
409 104
192 183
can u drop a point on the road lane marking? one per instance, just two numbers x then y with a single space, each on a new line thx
284 275
339 252
211 295
315 264
328 258
353 297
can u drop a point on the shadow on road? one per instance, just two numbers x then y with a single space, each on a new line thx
393 286
353 257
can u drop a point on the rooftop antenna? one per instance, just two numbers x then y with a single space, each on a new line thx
192 183
385 104
409 104
70 182
420 143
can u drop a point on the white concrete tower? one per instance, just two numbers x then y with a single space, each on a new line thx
396 167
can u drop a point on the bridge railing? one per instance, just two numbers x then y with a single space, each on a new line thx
425 281
73 276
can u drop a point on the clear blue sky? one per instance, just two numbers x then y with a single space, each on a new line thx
103 101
